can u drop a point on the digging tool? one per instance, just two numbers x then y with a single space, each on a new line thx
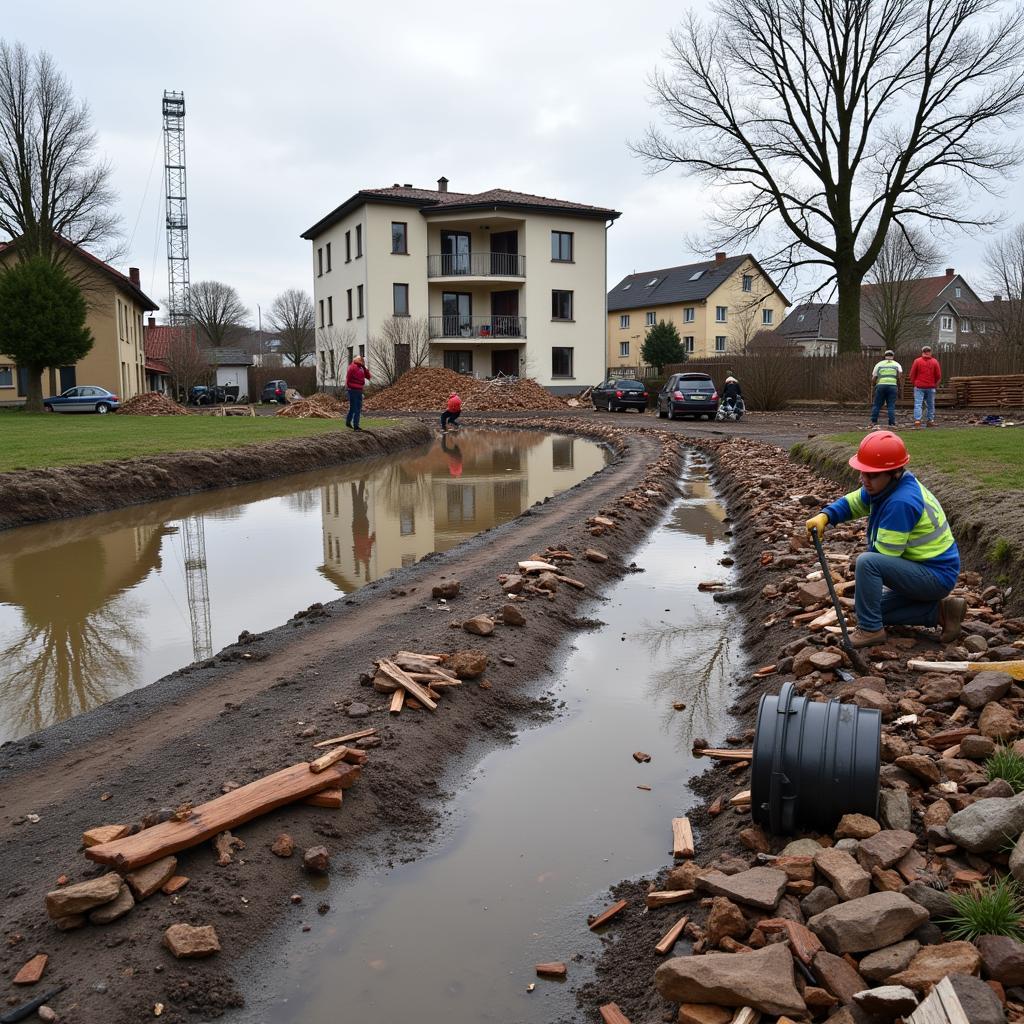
21 1012
856 658
1012 668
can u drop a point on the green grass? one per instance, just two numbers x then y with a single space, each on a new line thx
986 910
986 458
40 440
1002 550
1008 765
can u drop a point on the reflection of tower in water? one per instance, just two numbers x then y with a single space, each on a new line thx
197 588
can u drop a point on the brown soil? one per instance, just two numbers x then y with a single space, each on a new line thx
38 495
426 389
182 738
151 404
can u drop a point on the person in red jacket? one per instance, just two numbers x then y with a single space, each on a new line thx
355 381
452 413
925 374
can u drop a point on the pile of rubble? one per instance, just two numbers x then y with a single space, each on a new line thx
151 404
317 407
426 389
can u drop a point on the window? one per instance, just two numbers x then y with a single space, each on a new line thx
561 246
697 276
330 310
623 349
688 344
323 366
652 319
321 312
720 314
945 323
561 362
401 296
957 291
359 240
359 299
362 350
319 263
720 343
348 296
748 283
689 315
767 316
328 257
459 360
981 328
330 354
6 377
965 326
653 281
351 353
407 521
626 287
800 318
399 237
348 246
561 305
623 321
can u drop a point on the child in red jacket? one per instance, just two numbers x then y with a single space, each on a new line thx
452 413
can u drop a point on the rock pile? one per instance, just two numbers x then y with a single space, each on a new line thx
317 407
151 404
426 389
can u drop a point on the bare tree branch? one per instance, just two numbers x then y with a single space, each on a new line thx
292 318
217 312
1004 277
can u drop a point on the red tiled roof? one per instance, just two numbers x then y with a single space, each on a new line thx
157 340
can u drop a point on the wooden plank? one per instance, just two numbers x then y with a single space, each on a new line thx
414 689
1013 668
671 937
667 897
534 566
346 738
726 753
397 701
941 1007
224 812
741 799
325 761
422 657
608 913
745 1015
682 838
611 1014
328 798
555 969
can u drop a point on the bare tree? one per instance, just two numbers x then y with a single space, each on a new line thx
217 312
403 342
336 346
748 315
291 316
1004 277
186 362
893 302
51 183
824 125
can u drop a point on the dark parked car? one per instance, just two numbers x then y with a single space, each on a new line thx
83 399
618 395
203 395
688 394
274 391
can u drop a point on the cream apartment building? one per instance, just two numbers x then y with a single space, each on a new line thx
508 282
717 306
116 307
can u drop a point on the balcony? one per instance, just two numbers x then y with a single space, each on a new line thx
476 264
477 328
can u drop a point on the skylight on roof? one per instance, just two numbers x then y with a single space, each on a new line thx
626 287
697 276
652 281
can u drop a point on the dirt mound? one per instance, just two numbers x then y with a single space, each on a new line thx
426 389
316 407
151 404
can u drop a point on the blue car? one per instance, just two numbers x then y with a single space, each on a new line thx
83 399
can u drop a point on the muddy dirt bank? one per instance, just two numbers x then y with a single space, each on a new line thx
235 719
38 495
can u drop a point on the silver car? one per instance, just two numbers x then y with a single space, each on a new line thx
83 399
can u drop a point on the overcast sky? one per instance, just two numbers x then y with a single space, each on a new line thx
292 107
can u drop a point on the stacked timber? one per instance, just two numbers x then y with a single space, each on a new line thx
1006 390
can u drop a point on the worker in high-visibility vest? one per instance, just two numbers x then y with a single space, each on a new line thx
912 562
886 377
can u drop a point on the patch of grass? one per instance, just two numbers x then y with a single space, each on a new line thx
46 440
1008 765
987 910
1001 551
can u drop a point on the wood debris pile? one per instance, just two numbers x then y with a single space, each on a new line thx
151 404
426 389
317 407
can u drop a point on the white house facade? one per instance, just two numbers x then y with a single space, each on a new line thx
505 282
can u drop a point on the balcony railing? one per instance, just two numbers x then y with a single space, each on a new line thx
477 328
476 264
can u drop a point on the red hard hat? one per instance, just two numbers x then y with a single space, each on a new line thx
880 452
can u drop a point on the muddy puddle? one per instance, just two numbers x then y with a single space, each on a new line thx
539 830
91 608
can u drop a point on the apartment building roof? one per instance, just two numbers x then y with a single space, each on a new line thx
811 321
440 200
688 283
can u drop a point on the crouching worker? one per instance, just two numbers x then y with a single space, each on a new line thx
912 562
450 416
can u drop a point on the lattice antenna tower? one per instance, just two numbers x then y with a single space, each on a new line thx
177 207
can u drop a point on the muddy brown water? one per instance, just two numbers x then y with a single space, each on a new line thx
94 607
539 830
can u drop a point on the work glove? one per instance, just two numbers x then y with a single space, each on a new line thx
816 524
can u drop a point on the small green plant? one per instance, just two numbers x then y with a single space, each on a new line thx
1002 550
1008 765
987 910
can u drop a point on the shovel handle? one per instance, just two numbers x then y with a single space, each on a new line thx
831 590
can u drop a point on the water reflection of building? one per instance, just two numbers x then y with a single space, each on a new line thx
467 482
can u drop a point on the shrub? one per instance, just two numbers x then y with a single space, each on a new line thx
987 910
1002 550
1008 765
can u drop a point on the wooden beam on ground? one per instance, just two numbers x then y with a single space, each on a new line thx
942 1006
414 689
667 897
328 798
224 812
422 657
611 1014
397 702
741 799
671 937
608 913
726 753
682 838
346 738
325 761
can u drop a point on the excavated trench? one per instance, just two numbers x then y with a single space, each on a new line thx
537 831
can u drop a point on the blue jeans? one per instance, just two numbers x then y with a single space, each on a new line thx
925 396
449 418
355 407
896 592
884 393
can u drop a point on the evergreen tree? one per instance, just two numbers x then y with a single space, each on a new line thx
42 321
662 346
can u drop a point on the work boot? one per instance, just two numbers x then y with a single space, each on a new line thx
867 638
951 616
931 423
917 424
